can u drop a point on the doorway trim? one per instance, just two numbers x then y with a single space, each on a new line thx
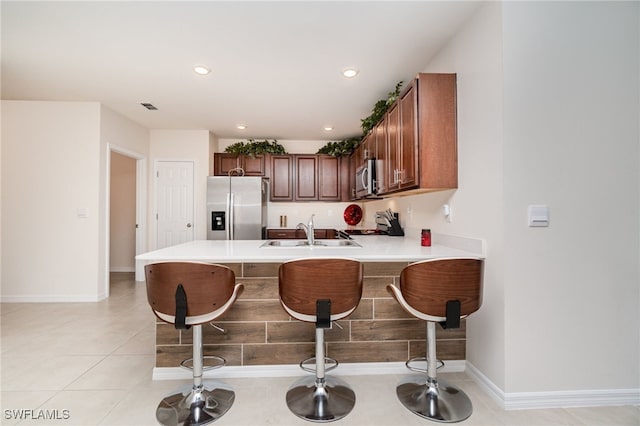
141 206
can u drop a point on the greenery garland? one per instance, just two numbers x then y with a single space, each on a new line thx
340 148
347 146
379 109
254 148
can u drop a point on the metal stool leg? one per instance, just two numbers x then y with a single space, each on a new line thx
320 398
200 403
430 398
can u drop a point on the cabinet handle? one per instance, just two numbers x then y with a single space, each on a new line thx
366 154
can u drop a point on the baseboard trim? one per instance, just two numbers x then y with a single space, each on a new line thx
554 399
122 269
293 370
52 298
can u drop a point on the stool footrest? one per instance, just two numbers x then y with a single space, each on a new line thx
334 364
421 359
221 362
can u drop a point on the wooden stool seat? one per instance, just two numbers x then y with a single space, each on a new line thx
320 290
189 294
438 291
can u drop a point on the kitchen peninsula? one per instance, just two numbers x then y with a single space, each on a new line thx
259 332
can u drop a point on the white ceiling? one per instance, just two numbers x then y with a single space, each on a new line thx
276 66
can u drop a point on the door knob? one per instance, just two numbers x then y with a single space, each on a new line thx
188 225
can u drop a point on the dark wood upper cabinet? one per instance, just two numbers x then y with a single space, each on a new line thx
382 154
421 137
306 177
224 162
407 164
329 179
281 178
437 131
393 148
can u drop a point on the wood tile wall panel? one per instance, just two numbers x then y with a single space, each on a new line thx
297 331
259 331
256 310
166 334
363 311
260 270
389 309
445 349
270 354
408 329
235 332
368 351
259 288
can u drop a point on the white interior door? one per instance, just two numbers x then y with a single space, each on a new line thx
174 183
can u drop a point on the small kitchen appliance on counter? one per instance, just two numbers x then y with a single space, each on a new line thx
387 222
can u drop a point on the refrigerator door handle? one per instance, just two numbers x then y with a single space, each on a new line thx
232 217
227 213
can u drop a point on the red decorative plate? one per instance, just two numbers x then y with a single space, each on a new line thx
353 214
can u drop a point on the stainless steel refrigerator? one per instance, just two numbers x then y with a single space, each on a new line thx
236 207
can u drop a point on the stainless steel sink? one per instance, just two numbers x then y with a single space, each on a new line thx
305 243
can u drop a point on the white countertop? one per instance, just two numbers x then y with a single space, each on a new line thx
374 249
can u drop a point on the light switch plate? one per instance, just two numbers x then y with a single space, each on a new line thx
538 216
82 212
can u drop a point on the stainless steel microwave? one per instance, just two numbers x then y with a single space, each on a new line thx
365 179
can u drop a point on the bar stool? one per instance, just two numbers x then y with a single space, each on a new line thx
189 294
320 290
437 291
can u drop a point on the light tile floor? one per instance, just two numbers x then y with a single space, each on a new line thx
91 364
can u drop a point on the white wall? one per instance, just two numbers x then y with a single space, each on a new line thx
474 54
182 145
120 134
50 170
561 304
571 141
55 162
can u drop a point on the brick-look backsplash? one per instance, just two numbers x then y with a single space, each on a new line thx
257 331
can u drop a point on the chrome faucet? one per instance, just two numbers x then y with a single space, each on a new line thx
308 230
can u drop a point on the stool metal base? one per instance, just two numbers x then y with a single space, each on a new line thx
195 407
437 400
323 400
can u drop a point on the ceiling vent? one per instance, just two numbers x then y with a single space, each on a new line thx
150 107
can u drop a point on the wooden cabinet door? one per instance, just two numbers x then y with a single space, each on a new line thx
380 133
393 148
281 234
408 138
224 162
281 178
353 166
306 175
369 146
328 178
438 131
253 166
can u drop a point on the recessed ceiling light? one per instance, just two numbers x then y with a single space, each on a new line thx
328 128
201 69
350 72
241 127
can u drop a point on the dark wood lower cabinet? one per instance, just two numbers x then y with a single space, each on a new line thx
298 234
